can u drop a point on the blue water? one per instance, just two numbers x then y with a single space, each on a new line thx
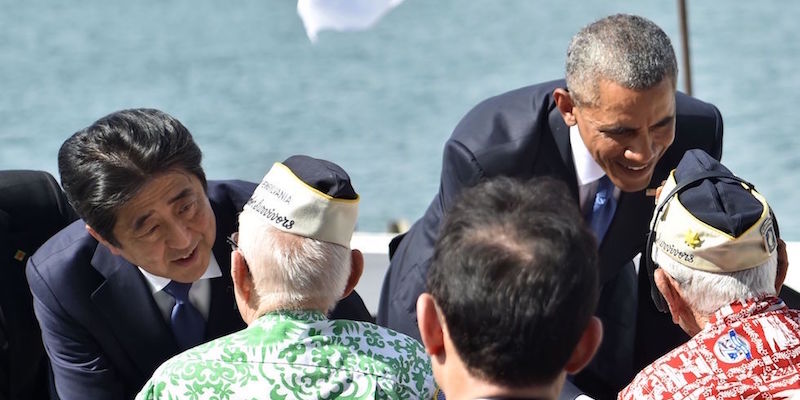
243 77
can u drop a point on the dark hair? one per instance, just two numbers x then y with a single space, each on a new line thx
514 272
104 165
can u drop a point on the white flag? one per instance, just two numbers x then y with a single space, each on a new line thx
341 15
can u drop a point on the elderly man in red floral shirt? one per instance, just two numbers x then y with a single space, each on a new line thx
718 263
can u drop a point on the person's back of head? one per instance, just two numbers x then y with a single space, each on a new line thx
512 288
290 263
104 165
714 242
628 50
294 239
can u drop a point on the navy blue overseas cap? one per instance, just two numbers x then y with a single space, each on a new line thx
308 197
322 175
720 202
709 219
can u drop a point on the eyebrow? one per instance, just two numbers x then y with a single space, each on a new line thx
619 128
664 121
139 222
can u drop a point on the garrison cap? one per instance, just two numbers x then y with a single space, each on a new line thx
714 221
308 197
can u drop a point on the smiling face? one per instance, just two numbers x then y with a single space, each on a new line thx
627 131
168 228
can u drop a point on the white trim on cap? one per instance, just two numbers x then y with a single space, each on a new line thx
292 206
697 245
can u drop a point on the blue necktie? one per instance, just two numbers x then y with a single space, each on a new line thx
603 209
188 324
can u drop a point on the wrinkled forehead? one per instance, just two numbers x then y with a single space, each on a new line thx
592 91
616 104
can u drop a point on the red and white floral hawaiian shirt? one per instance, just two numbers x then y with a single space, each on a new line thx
748 350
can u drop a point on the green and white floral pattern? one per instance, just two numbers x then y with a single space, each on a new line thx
298 355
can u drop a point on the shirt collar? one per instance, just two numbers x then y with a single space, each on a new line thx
742 309
291 315
157 283
586 168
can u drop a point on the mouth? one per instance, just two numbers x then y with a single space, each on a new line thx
188 258
635 168
633 177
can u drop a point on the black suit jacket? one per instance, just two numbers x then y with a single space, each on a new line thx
32 208
521 134
102 329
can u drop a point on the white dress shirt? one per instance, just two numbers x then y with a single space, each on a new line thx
587 170
589 173
199 294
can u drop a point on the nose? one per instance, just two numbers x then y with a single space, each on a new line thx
641 150
180 236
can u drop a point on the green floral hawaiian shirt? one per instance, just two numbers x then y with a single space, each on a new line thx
298 355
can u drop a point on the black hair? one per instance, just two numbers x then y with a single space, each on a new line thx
514 272
104 165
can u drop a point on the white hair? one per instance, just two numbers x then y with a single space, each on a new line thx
291 271
707 292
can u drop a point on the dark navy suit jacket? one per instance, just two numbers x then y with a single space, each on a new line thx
521 134
101 327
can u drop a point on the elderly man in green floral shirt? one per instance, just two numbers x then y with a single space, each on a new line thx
291 263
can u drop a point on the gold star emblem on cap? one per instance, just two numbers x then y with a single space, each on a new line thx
692 239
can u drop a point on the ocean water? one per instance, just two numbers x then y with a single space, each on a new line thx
245 80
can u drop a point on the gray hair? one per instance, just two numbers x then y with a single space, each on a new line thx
291 271
628 50
707 292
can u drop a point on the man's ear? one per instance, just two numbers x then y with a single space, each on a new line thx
668 288
783 266
587 346
114 249
430 325
565 105
356 269
242 279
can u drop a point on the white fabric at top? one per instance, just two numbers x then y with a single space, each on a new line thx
341 15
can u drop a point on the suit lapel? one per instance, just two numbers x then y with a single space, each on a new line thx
127 304
560 136
626 238
626 235
223 316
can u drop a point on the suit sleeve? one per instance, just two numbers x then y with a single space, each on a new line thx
80 368
242 190
460 170
411 254
498 137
